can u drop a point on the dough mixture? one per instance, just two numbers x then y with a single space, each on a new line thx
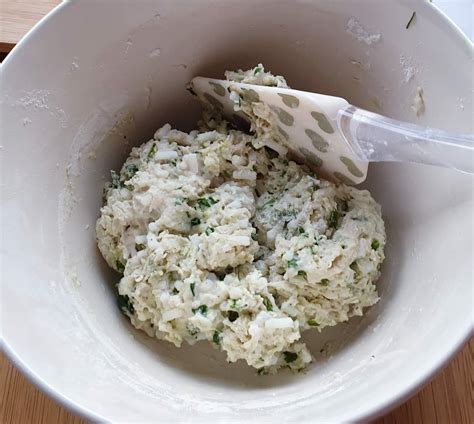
219 238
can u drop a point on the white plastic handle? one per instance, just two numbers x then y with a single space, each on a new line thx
376 138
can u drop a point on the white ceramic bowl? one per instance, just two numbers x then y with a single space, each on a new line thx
90 81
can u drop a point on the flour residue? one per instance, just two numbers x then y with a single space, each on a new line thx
74 64
38 100
355 28
408 68
154 53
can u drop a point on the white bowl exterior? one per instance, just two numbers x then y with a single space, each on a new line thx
90 80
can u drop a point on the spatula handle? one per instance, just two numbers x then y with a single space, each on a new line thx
376 138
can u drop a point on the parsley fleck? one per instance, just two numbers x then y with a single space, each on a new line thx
203 202
290 357
124 304
301 230
324 282
151 152
216 338
292 263
268 304
375 244
191 286
116 183
130 170
119 266
175 290
333 219
202 309
257 70
195 221
302 273
192 330
209 231
410 20
313 323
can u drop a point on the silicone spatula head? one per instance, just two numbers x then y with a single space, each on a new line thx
289 121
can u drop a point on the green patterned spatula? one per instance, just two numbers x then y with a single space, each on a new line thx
336 138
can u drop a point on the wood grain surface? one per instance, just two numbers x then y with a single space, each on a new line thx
18 16
447 399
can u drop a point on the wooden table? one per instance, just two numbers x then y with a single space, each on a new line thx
447 399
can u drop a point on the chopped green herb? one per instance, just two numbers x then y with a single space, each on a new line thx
324 282
257 70
268 304
124 304
232 315
139 247
151 152
254 236
209 231
333 219
203 202
130 170
267 203
202 309
119 266
410 20
116 183
313 323
233 303
290 357
175 290
195 221
302 273
292 263
192 330
216 338
191 286
375 244
301 230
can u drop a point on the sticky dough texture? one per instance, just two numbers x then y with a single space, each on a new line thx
221 241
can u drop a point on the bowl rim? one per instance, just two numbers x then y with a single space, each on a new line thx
371 412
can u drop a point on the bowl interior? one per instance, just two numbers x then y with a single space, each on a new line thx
94 94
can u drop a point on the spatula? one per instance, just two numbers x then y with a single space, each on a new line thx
330 134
